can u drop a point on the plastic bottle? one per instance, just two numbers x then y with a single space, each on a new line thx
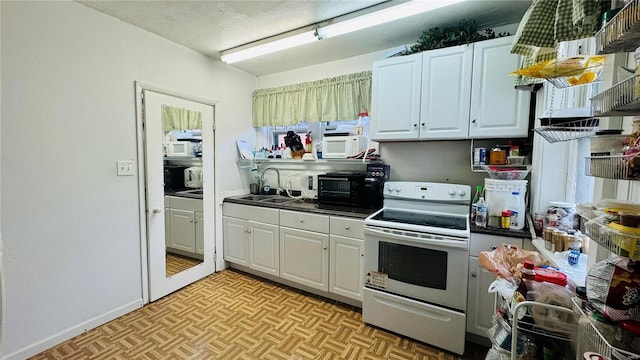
474 203
481 212
515 204
528 271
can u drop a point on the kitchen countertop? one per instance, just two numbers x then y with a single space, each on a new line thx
525 233
305 205
183 194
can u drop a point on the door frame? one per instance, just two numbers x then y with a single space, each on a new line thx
139 87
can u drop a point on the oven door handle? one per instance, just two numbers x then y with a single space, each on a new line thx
395 234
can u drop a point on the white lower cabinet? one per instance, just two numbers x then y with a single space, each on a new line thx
251 237
264 245
346 257
346 268
184 225
236 241
480 303
304 257
317 251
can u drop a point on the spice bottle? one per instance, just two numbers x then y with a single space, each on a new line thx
505 220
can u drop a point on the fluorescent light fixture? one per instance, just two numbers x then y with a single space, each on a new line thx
382 16
232 56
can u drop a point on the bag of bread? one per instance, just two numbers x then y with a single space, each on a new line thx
580 69
613 288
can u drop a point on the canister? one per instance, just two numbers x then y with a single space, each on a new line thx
497 156
480 156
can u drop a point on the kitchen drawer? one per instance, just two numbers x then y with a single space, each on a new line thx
304 221
353 228
248 212
176 202
484 242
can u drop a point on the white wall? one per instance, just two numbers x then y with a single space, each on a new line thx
323 71
70 226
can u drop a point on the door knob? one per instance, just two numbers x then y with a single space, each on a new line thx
157 211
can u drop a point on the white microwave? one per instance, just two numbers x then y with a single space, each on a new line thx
341 147
180 148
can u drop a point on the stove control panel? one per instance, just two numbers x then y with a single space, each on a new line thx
427 191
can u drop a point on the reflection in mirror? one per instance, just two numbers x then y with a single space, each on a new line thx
182 152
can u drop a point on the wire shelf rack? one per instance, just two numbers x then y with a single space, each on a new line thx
571 130
590 338
617 242
619 100
622 32
619 167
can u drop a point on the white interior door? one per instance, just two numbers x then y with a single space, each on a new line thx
159 283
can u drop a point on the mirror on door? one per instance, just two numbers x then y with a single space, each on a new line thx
183 193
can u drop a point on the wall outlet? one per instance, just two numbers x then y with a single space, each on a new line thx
125 168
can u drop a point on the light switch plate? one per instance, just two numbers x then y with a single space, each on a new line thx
125 168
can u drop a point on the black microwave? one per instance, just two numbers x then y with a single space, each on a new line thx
352 189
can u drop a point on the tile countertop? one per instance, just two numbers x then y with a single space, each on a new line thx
526 232
306 205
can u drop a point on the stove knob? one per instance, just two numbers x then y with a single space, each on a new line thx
452 191
398 189
389 188
461 192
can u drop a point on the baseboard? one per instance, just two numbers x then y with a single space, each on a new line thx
69 333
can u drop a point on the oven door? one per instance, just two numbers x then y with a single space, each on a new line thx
426 267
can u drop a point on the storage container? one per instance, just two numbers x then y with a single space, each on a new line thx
496 192
607 145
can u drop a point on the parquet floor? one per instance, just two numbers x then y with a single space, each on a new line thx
176 263
232 315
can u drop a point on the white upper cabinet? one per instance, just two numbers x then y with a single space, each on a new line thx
456 93
395 98
497 109
446 88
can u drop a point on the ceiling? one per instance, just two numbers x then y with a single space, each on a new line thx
212 26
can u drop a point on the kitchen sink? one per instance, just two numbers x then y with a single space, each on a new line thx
274 199
277 200
193 192
257 197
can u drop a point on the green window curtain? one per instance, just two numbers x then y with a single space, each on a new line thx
332 99
180 119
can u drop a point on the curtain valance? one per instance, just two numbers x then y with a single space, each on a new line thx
332 99
174 118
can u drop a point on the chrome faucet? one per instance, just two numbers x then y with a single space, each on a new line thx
277 173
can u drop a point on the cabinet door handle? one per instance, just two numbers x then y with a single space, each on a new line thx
494 247
347 227
423 124
157 211
324 247
249 231
473 121
301 220
362 254
190 221
474 275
